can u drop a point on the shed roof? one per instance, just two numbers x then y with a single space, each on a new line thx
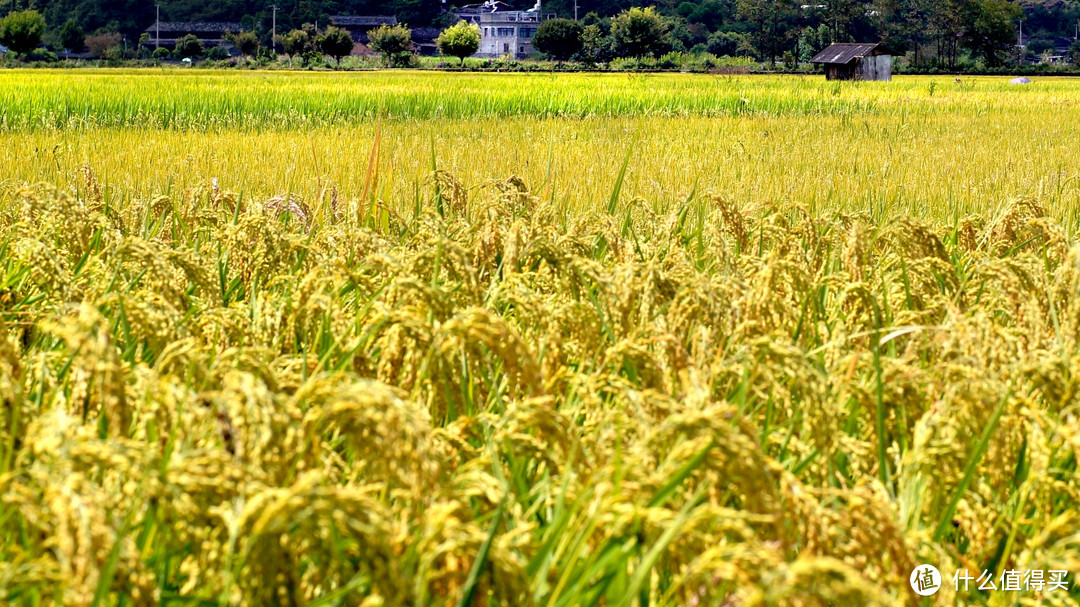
362 20
846 52
187 27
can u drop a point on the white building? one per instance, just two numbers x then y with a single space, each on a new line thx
503 31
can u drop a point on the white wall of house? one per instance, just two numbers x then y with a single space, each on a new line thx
507 33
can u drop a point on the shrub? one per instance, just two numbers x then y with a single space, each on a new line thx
42 55
217 53
459 41
161 54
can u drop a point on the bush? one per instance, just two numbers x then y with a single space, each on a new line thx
217 53
42 55
459 41
161 54
394 43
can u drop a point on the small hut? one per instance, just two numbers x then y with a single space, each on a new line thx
856 61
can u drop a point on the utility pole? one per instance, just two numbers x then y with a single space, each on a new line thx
157 34
575 19
273 31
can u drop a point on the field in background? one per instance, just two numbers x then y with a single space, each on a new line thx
623 340
917 146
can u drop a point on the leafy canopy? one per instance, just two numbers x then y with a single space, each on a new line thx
336 42
393 42
639 32
459 40
559 39
22 31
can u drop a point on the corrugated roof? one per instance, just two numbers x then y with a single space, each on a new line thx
362 20
192 27
845 52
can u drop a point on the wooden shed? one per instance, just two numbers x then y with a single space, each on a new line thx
856 61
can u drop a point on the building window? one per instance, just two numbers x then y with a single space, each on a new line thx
506 47
528 32
504 31
521 49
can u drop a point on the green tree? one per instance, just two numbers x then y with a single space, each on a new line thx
989 28
72 37
769 18
245 42
296 43
838 16
595 44
559 39
190 47
730 44
337 43
459 41
217 53
22 31
1074 53
393 42
639 32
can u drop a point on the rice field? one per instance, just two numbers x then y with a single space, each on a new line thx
455 339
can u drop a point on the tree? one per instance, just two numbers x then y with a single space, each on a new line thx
190 47
596 44
337 43
101 44
245 42
295 43
838 16
459 41
394 43
22 31
770 19
1074 53
730 44
559 39
639 32
72 37
989 28
304 43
